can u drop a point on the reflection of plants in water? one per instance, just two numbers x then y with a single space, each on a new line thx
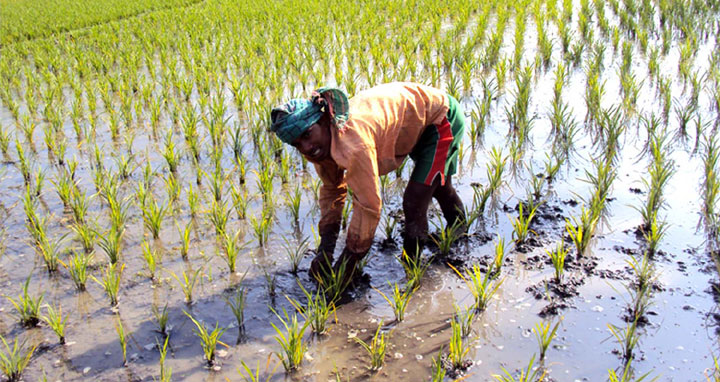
628 375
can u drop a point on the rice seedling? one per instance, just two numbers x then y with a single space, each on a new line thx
448 235
627 375
208 338
77 268
57 321
521 224
110 243
161 319
465 318
86 235
50 251
482 287
415 268
457 348
111 281
557 256
240 200
654 234
376 348
627 338
581 230
153 216
185 239
399 301
14 360
232 249
262 227
123 337
316 310
438 369
529 374
151 257
291 341
237 305
248 376
498 258
165 371
187 283
27 307
270 283
295 252
544 335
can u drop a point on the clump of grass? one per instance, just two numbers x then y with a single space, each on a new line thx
482 287
153 216
208 338
334 281
498 258
151 257
438 369
232 249
110 243
415 269
465 318
57 321
458 348
14 360
290 340
448 235
376 348
27 307
581 230
399 301
111 281
521 224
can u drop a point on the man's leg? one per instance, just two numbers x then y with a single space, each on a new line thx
450 204
416 201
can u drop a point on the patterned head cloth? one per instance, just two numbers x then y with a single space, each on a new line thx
290 120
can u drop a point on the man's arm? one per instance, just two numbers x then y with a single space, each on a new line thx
362 177
332 199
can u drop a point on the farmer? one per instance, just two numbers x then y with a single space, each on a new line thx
353 143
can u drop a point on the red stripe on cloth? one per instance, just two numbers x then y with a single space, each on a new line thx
445 138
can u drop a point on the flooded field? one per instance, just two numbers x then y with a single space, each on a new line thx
144 198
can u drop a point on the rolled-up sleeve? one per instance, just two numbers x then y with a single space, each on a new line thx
363 179
332 197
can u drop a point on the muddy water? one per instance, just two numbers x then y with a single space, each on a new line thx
676 345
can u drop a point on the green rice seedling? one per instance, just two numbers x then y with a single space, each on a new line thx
295 252
557 256
521 224
172 186
79 205
399 301
172 157
78 263
50 251
57 321
644 271
627 338
262 227
481 194
415 268
333 281
187 283
465 318
153 216
316 311
376 348
23 162
544 335
111 281
151 257
438 369
248 376
240 200
185 238
165 371
27 307
684 115
483 288
529 374
14 360
161 319
389 223
237 305
498 258
654 234
110 243
122 337
86 235
628 375
219 216
270 283
217 182
193 201
293 200
208 339
447 236
581 230
232 249
291 341
458 348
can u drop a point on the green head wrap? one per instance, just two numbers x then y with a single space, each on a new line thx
290 120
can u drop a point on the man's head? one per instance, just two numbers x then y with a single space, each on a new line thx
306 124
